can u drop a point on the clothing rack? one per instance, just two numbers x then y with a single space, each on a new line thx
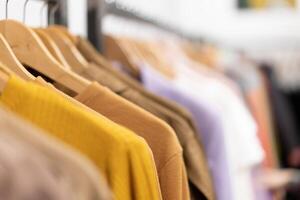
116 9
98 9
113 8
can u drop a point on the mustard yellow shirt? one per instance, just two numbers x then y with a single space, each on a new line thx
122 157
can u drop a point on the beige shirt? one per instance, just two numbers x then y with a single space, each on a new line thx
36 166
160 137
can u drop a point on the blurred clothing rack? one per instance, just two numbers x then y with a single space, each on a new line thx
114 8
98 9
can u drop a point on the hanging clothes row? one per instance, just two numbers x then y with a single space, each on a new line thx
134 139
145 120
232 110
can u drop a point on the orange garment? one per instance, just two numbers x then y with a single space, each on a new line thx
258 102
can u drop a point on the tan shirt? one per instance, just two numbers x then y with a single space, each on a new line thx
195 161
37 166
160 137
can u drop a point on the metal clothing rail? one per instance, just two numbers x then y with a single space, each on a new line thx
96 10
113 8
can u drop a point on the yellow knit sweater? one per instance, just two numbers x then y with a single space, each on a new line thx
122 157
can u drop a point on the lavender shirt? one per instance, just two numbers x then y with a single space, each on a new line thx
209 124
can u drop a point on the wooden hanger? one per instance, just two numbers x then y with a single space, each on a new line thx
52 47
5 73
65 31
131 48
91 53
153 55
30 50
69 50
8 58
114 51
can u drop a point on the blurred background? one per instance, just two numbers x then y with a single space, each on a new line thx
259 24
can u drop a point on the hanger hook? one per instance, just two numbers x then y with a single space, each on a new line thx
53 11
6 9
24 11
45 3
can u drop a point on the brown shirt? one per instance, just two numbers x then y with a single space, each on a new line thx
195 161
160 137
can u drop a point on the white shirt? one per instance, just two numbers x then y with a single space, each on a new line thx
240 131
